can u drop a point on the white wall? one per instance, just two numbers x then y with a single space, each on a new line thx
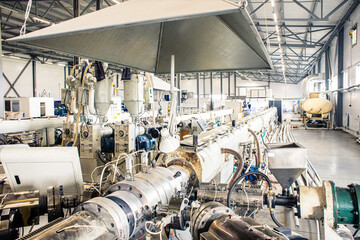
48 77
351 106
279 90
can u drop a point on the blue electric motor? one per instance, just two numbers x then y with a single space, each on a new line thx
145 142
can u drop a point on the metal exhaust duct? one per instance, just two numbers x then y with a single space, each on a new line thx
204 35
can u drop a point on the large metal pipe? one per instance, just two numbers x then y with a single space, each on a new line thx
122 213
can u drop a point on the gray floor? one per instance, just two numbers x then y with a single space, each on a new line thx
335 154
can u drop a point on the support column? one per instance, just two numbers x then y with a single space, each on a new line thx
34 76
211 92
339 104
327 73
319 65
98 5
221 85
65 77
204 85
76 13
2 103
235 84
229 89
198 90
179 87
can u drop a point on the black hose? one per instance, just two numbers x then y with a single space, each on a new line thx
270 187
243 176
272 214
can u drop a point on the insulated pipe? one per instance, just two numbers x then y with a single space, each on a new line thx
258 159
90 81
92 101
239 160
106 131
123 212
73 108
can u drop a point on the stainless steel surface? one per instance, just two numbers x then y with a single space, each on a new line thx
123 212
205 215
286 161
204 35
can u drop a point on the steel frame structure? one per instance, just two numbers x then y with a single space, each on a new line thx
298 64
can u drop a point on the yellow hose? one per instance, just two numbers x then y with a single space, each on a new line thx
73 69
80 106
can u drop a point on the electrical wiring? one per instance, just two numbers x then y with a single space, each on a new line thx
80 107
248 201
121 156
154 233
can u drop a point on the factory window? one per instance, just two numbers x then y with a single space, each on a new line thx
334 83
15 106
353 34
7 105
345 79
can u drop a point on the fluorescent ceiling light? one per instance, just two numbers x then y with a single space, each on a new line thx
43 20
275 18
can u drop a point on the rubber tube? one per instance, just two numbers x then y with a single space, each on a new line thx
257 148
240 163
73 108
92 101
272 214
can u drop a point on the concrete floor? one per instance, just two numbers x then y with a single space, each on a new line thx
335 154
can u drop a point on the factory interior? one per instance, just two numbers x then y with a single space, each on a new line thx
179 119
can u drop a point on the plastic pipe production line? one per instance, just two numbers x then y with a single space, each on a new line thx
153 174
216 183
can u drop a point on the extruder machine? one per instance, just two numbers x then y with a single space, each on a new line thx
245 179
156 174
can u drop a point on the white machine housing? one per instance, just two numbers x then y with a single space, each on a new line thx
29 107
52 166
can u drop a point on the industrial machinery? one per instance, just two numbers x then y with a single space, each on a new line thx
317 110
142 179
224 178
141 192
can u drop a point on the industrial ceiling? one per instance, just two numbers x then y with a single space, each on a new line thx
294 32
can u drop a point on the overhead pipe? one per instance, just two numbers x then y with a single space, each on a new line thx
73 108
90 81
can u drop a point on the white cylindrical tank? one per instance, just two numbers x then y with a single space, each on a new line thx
134 94
103 97
317 106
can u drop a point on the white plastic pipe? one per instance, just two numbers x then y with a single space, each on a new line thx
29 125
172 72
172 103
92 101
73 108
